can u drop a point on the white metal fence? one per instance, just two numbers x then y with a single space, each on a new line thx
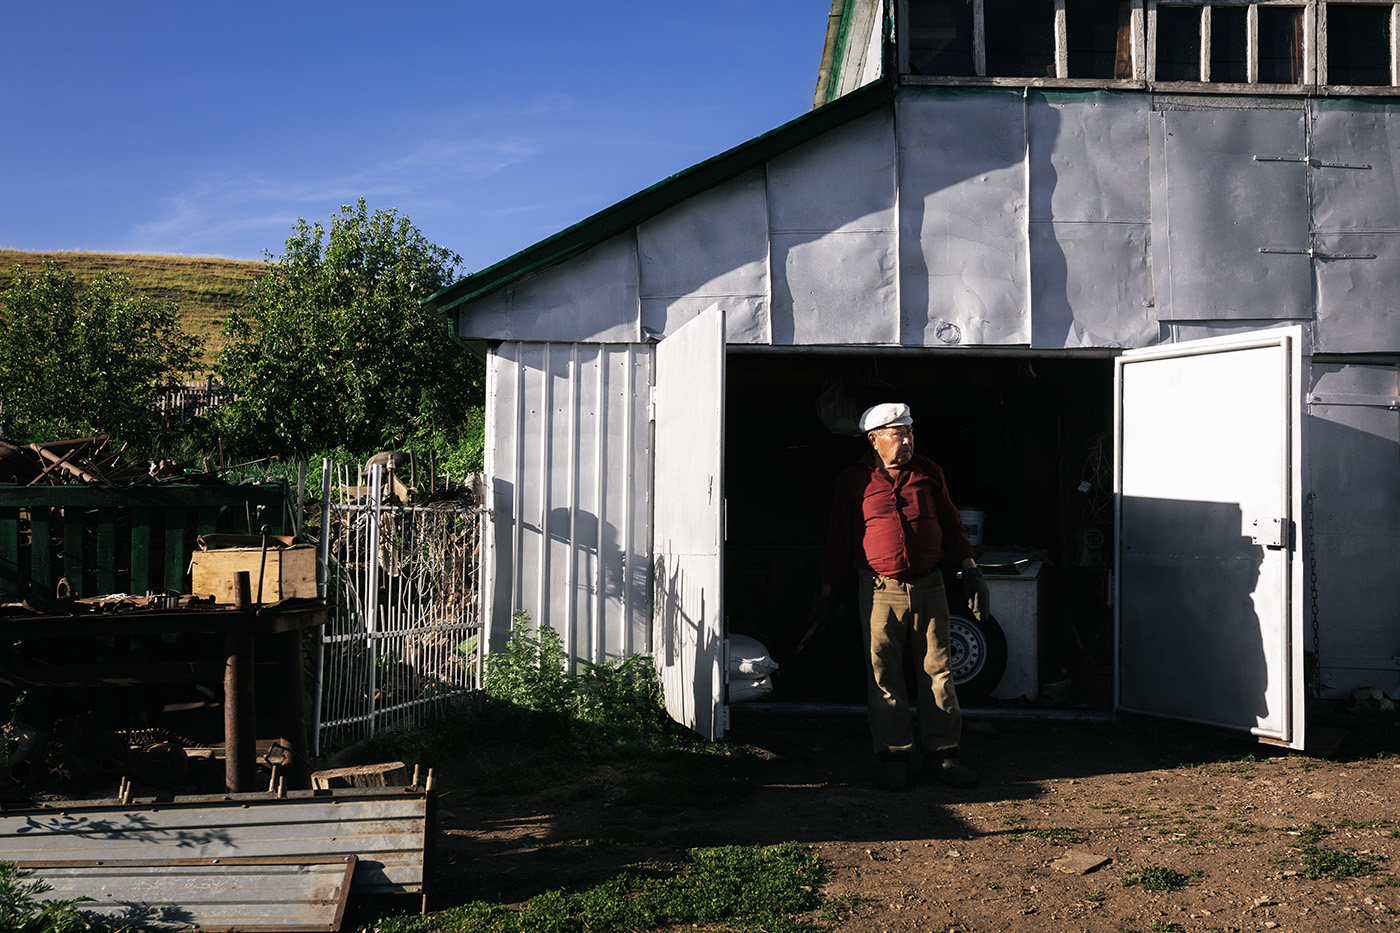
403 636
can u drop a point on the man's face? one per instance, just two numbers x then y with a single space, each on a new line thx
894 446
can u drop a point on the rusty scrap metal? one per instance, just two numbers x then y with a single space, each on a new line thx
87 460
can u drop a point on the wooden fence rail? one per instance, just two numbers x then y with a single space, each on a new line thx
136 540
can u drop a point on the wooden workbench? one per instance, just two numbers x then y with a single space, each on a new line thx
282 624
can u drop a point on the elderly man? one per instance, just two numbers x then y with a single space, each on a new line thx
894 522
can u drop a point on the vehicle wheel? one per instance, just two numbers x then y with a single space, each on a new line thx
977 654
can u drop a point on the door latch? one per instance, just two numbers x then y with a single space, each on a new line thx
1275 533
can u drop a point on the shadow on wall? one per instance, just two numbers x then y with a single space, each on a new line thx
686 643
584 550
1200 635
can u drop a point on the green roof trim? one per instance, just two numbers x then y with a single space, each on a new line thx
833 84
669 192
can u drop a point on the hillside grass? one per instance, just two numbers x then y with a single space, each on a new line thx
206 289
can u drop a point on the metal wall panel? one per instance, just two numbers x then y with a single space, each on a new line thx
1356 215
593 297
963 248
1180 331
831 211
710 248
1353 144
567 461
1355 523
1091 285
1091 280
1088 157
1236 215
1356 292
836 289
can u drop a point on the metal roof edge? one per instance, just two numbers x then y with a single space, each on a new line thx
666 193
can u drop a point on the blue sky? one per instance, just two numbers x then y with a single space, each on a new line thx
207 128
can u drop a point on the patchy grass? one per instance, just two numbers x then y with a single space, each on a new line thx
1319 863
1057 835
746 890
1156 878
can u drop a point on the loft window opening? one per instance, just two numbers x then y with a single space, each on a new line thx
940 38
1359 44
1280 43
1229 44
1099 39
1020 38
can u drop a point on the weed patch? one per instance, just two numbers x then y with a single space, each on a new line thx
1321 863
1156 878
742 889
1057 835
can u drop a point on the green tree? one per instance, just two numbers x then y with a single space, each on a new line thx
78 360
334 350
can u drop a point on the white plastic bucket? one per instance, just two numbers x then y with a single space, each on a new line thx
972 524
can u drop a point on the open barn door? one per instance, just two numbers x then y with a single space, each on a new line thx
1209 607
688 522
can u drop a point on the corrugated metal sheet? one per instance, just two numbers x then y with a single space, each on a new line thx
386 829
567 456
209 894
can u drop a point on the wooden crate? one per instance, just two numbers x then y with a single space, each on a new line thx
288 572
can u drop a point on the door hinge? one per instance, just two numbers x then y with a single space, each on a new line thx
651 404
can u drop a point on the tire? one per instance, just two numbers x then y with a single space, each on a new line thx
977 654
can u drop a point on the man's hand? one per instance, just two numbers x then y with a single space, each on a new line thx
820 614
975 589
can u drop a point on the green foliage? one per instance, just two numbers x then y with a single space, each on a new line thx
605 703
79 360
1156 878
730 887
529 675
1057 835
334 349
1328 863
23 911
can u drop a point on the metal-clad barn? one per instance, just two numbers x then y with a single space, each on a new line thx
1134 267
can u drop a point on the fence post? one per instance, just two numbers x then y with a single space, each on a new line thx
371 598
323 568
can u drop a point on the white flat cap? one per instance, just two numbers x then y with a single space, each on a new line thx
884 415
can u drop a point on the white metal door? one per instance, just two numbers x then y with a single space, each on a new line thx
688 522
1208 596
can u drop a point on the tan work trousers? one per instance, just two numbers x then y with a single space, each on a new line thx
908 615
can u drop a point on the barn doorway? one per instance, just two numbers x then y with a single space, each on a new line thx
1024 437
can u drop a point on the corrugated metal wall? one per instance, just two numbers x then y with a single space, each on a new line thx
568 462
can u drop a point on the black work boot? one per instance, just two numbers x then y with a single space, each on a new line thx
891 770
951 771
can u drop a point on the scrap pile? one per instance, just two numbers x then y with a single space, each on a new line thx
90 460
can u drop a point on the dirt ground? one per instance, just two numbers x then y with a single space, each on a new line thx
1067 814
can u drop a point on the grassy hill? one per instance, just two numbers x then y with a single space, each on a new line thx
205 289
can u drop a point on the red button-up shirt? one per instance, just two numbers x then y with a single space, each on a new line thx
905 525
